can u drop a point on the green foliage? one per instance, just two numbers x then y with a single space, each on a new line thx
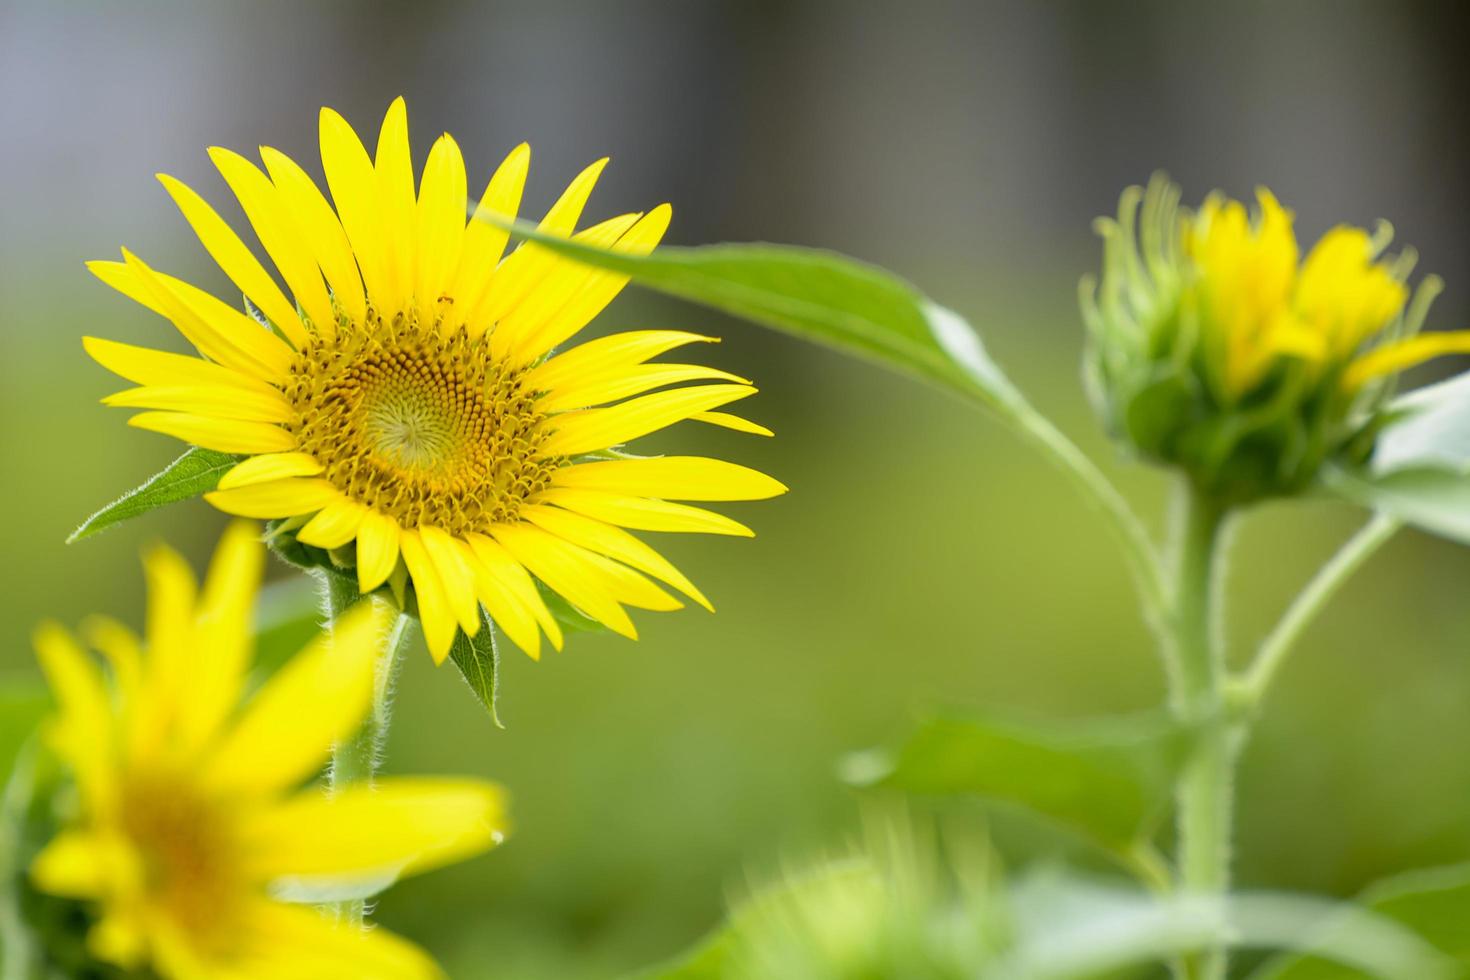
196 472
1107 779
478 659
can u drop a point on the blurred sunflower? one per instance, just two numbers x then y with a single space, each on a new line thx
190 820
407 403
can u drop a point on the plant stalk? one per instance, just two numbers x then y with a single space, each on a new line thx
1205 786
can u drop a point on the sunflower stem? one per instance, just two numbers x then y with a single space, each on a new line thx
1205 785
356 759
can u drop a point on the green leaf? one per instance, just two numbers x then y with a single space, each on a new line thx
1434 500
1431 430
819 296
1108 779
1433 903
478 660
197 471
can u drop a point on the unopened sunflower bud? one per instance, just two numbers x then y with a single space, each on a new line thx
1215 348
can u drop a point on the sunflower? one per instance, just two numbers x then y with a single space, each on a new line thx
190 820
407 409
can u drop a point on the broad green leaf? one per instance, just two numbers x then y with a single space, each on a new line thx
1434 903
819 296
1432 499
1108 779
478 660
197 471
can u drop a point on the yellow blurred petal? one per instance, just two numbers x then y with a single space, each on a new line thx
226 636
154 367
443 203
354 187
318 698
608 355
1400 356
455 576
244 270
599 428
565 568
483 241
334 525
614 543
393 165
642 513
74 864
271 466
277 230
397 825
435 614
214 401
123 650
377 550
292 942
279 498
84 735
322 231
221 435
672 478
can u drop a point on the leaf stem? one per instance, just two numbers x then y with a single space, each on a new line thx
356 759
1250 689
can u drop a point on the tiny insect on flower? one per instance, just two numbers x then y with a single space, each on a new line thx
406 409
192 819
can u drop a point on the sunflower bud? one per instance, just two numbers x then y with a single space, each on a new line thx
1215 348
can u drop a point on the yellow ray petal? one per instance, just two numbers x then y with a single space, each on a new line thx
74 864
629 587
435 614
334 525
272 466
393 165
83 734
624 383
614 543
725 420
377 550
154 367
225 635
291 942
672 478
120 276
220 402
606 355
483 241
1400 356
599 428
565 568
455 576
279 498
354 187
512 578
507 611
278 231
169 667
244 270
443 202
322 231
316 699
642 513
221 435
123 650
400 824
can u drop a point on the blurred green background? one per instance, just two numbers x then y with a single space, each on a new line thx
923 556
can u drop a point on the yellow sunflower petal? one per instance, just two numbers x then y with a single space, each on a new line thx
672 478
83 735
629 587
279 498
565 568
292 942
278 231
725 420
599 428
608 355
455 576
334 525
221 435
642 513
616 385
1400 356
225 610
316 699
393 165
322 231
123 651
143 366
512 578
244 270
271 466
484 241
443 203
219 402
377 550
504 608
354 187
75 864
435 612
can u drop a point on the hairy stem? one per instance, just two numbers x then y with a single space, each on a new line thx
1205 785
1252 686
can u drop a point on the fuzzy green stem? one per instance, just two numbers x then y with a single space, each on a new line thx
1205 785
1252 686
356 759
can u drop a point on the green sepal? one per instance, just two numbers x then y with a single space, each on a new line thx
1108 779
478 660
196 472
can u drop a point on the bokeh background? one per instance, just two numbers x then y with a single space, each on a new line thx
923 555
